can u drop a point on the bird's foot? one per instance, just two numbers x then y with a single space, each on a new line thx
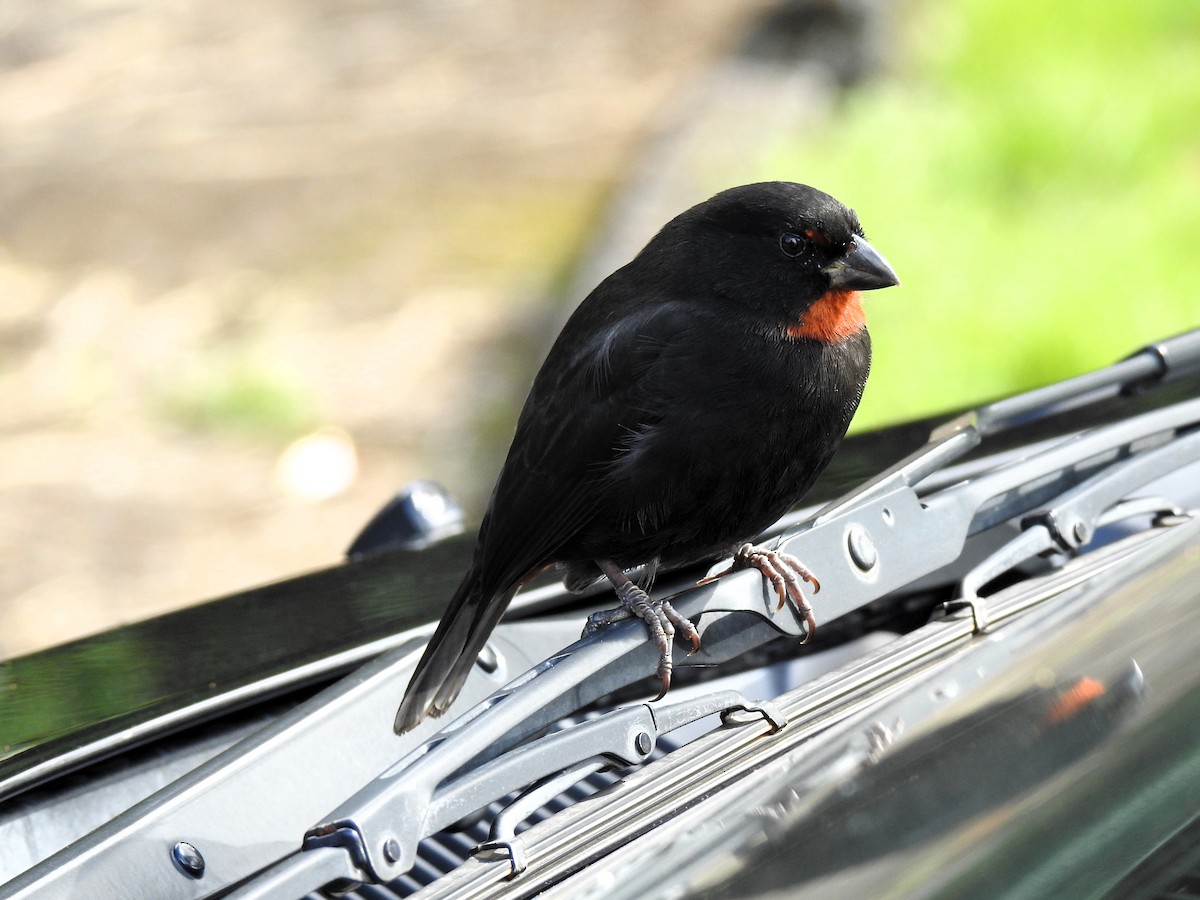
662 620
785 573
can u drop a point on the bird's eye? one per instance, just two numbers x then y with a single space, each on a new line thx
791 244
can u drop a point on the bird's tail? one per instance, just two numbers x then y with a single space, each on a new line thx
471 616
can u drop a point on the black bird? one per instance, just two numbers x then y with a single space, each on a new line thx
689 402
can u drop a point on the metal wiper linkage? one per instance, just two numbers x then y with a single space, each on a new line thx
235 822
875 540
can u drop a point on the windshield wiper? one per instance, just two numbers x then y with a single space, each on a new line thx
876 540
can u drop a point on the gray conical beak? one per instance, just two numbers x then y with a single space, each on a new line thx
863 268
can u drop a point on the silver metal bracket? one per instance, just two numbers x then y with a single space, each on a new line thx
512 849
1071 521
762 711
435 792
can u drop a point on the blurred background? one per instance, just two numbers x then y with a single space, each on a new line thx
262 264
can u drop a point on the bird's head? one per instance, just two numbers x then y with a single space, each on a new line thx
792 254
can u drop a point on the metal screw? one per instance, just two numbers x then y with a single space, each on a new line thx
188 859
391 850
862 550
643 744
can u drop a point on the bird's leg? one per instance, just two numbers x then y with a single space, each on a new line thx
662 620
785 573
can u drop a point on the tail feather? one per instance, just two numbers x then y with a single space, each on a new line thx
443 668
485 623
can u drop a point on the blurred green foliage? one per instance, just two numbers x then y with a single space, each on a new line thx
237 395
1032 171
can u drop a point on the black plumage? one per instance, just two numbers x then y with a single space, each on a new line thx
691 399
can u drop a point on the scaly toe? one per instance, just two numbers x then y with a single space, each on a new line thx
598 621
662 621
786 574
683 626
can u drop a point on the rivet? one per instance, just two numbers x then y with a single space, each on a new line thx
391 850
862 550
187 859
643 743
488 659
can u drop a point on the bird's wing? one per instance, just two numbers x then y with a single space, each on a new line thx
592 399
593 393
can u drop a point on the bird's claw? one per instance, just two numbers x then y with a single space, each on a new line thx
662 621
784 572
683 626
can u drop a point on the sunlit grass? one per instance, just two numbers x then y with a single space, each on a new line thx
1032 171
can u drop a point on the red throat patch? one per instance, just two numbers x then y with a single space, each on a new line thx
835 316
